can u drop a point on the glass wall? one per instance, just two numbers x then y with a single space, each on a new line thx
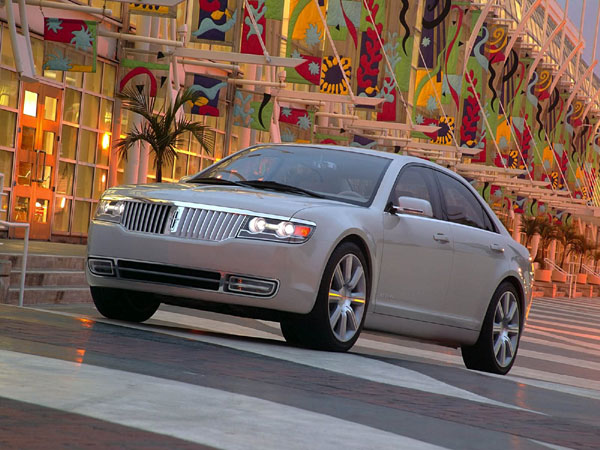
82 173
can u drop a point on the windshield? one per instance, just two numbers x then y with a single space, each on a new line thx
334 174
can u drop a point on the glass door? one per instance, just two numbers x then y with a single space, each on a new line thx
36 158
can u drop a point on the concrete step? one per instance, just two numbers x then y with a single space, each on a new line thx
47 261
49 277
50 294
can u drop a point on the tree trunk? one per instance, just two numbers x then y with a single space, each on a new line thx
158 171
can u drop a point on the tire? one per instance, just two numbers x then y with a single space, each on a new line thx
119 304
496 349
337 317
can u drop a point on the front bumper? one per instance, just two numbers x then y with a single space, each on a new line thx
295 269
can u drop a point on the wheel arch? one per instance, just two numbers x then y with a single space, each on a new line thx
520 291
364 248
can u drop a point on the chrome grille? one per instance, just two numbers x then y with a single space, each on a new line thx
205 224
146 217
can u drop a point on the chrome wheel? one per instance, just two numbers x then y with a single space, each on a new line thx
506 329
347 297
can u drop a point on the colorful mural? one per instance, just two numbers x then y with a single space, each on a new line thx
413 55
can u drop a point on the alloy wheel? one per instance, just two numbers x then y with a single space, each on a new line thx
506 329
347 297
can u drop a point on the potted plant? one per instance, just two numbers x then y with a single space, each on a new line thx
530 227
163 130
582 247
594 279
567 235
547 231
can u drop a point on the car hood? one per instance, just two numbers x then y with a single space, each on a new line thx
249 199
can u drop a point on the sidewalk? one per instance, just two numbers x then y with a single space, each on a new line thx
15 246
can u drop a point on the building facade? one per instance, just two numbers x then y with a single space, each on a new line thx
498 91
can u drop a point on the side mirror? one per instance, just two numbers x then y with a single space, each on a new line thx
412 205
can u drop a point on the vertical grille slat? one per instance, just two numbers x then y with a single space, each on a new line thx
199 222
194 223
205 224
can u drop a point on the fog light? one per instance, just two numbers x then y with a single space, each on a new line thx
102 267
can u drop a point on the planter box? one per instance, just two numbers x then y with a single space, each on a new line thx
582 278
593 279
542 275
559 277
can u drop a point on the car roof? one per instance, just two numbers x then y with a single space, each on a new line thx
364 151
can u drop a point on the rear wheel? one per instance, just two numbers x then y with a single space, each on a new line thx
120 304
339 312
496 349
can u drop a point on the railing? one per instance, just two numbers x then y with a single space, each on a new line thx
6 224
570 277
589 270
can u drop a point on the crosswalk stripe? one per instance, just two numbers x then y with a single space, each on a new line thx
560 326
212 417
565 332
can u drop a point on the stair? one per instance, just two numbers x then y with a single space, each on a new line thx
49 279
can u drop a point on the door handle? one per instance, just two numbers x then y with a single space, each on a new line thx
497 248
441 237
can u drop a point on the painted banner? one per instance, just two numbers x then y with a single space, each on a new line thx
214 21
148 9
208 103
146 77
70 45
268 15
295 124
253 110
305 35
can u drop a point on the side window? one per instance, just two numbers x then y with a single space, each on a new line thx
461 205
417 182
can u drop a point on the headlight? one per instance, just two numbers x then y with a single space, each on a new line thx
110 210
290 231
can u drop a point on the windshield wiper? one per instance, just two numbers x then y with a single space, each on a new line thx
210 180
274 185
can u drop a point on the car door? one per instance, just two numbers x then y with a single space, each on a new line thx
478 253
417 252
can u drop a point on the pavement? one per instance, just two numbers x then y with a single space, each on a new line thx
15 246
70 378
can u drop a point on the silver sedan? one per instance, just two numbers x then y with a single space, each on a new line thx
325 240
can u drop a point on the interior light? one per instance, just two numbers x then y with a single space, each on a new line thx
105 141
30 104
63 201
103 178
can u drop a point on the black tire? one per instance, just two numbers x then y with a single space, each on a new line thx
483 355
125 305
314 330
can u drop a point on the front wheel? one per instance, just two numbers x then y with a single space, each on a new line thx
120 304
496 349
336 320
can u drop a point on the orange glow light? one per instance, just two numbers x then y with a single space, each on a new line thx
63 201
105 141
300 230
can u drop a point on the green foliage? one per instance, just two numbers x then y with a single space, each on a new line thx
163 130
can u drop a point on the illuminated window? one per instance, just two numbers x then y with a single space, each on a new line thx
30 104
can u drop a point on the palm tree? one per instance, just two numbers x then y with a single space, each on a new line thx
529 226
582 247
596 257
163 130
548 232
567 235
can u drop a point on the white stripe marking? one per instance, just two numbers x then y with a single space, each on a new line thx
190 412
